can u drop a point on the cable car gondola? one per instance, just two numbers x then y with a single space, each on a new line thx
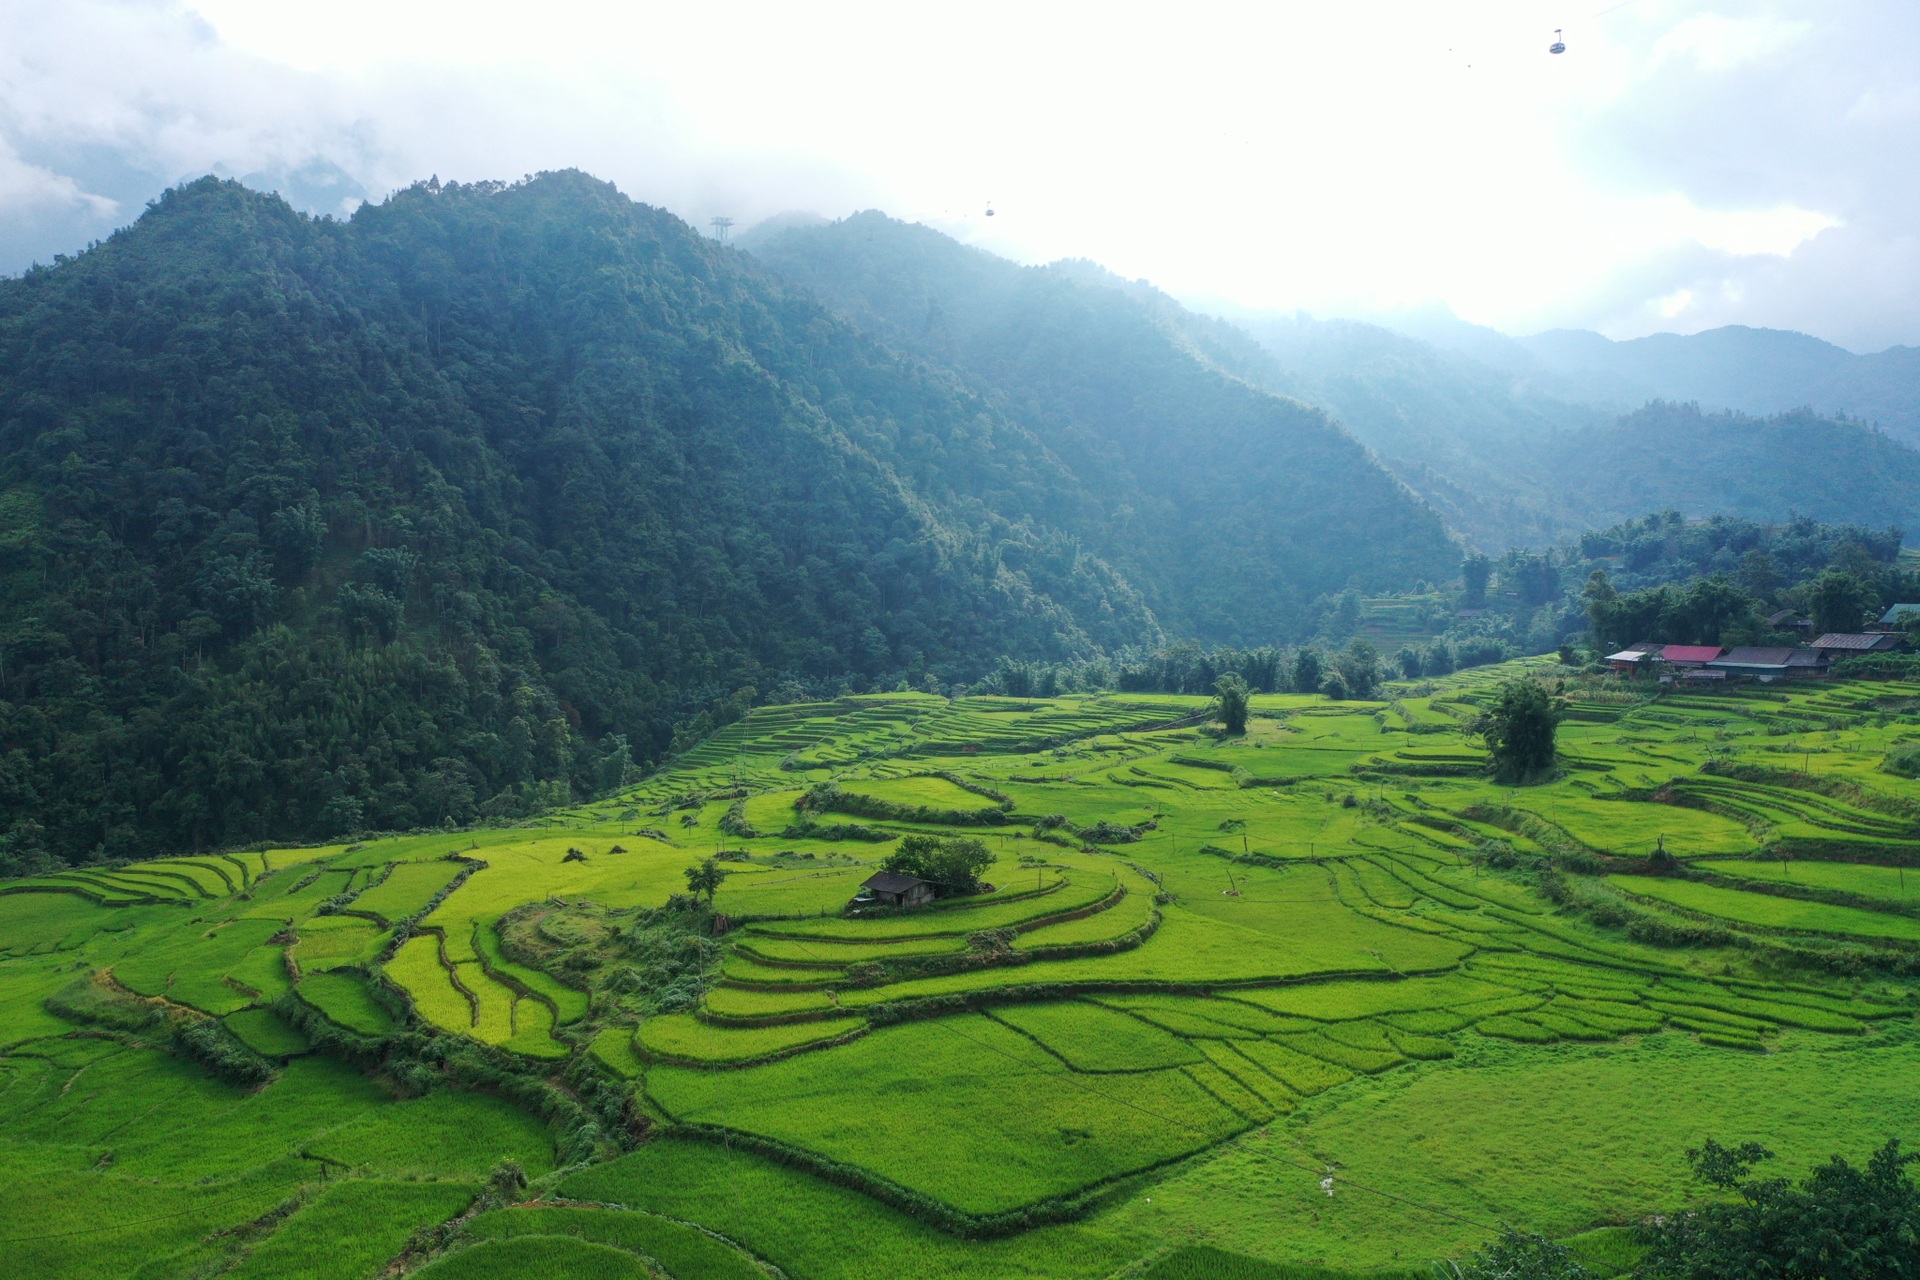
1558 45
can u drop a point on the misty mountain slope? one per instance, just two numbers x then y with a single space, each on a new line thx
1508 463
1670 456
315 526
1231 508
1469 438
1752 370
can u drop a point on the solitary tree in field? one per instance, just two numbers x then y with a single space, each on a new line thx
706 879
952 864
1518 731
1359 666
1230 703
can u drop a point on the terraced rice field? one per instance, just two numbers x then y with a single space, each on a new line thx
1205 971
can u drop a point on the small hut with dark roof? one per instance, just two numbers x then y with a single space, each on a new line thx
892 889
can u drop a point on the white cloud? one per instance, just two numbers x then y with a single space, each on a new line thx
34 189
1326 157
1675 303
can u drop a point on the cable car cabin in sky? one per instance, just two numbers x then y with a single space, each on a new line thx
1558 45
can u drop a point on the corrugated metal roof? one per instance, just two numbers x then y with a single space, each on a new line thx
891 882
1863 641
1690 652
1756 656
1628 655
1892 616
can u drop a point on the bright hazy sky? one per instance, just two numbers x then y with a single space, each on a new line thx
1683 165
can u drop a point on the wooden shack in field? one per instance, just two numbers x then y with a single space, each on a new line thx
892 889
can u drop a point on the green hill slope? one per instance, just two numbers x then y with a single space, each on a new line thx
1671 455
1229 506
461 506
313 525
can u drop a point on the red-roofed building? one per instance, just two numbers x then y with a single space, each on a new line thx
1689 655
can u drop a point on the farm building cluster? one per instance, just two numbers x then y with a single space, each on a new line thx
1702 663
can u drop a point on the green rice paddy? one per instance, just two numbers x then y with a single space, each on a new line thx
1207 974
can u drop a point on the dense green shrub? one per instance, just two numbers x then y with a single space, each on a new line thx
208 1042
1839 1221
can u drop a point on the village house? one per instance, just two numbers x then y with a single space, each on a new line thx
892 889
1770 663
1635 659
1847 644
1689 662
1891 619
1704 663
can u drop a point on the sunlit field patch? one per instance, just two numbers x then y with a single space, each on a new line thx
1770 911
345 999
682 1038
998 1123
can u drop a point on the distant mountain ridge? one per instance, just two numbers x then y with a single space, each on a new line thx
1523 441
1757 371
1514 442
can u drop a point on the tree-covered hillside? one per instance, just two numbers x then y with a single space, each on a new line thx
1671 455
472 502
1232 508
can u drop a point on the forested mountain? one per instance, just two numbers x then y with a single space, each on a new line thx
468 503
1519 451
1230 507
1671 455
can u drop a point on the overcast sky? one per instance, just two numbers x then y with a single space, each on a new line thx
1682 165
